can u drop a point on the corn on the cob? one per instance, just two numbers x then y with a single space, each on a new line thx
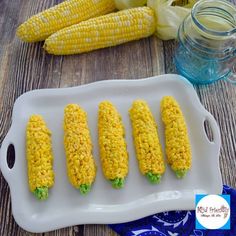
178 149
113 150
104 31
40 26
39 157
147 145
81 168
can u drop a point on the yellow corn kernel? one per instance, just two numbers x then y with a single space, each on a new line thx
113 149
178 148
147 145
39 157
81 168
104 31
42 25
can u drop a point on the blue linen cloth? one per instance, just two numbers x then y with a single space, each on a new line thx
176 223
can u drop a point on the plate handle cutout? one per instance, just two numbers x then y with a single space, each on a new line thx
10 156
212 131
208 130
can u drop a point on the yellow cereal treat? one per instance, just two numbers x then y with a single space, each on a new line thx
178 148
147 145
69 12
81 168
39 157
113 149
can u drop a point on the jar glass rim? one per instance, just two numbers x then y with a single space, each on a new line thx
218 4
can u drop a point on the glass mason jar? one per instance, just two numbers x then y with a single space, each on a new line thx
207 43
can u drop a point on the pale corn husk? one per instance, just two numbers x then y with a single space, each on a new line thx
125 4
169 16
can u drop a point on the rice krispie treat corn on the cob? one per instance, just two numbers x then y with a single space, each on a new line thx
178 148
81 168
39 157
113 150
147 145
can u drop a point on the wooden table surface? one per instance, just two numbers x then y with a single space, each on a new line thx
25 67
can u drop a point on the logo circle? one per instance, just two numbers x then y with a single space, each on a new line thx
212 212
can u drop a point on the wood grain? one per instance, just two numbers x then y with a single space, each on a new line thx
25 67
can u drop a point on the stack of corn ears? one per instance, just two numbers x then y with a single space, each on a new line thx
77 26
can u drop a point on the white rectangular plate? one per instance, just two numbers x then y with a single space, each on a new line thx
105 205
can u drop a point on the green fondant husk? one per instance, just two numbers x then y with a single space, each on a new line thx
85 188
153 178
41 193
180 173
118 183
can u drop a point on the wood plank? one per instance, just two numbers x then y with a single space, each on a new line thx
128 61
99 230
